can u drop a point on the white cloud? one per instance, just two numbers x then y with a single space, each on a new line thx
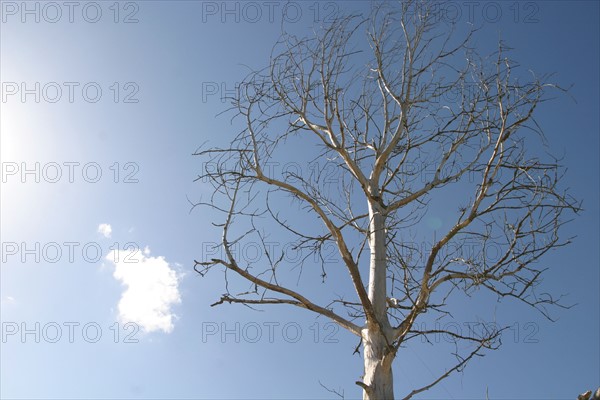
151 289
6 300
105 229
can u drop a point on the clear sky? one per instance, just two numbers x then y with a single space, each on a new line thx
103 104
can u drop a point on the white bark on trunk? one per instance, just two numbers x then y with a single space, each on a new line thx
377 271
377 379
378 376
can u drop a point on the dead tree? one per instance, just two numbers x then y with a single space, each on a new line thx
405 112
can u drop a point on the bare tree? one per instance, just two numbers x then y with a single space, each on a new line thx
405 113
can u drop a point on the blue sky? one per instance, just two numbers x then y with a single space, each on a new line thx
122 157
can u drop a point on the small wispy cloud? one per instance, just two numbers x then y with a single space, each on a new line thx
105 230
6 301
151 289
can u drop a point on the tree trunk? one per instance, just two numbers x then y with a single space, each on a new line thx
378 263
378 379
